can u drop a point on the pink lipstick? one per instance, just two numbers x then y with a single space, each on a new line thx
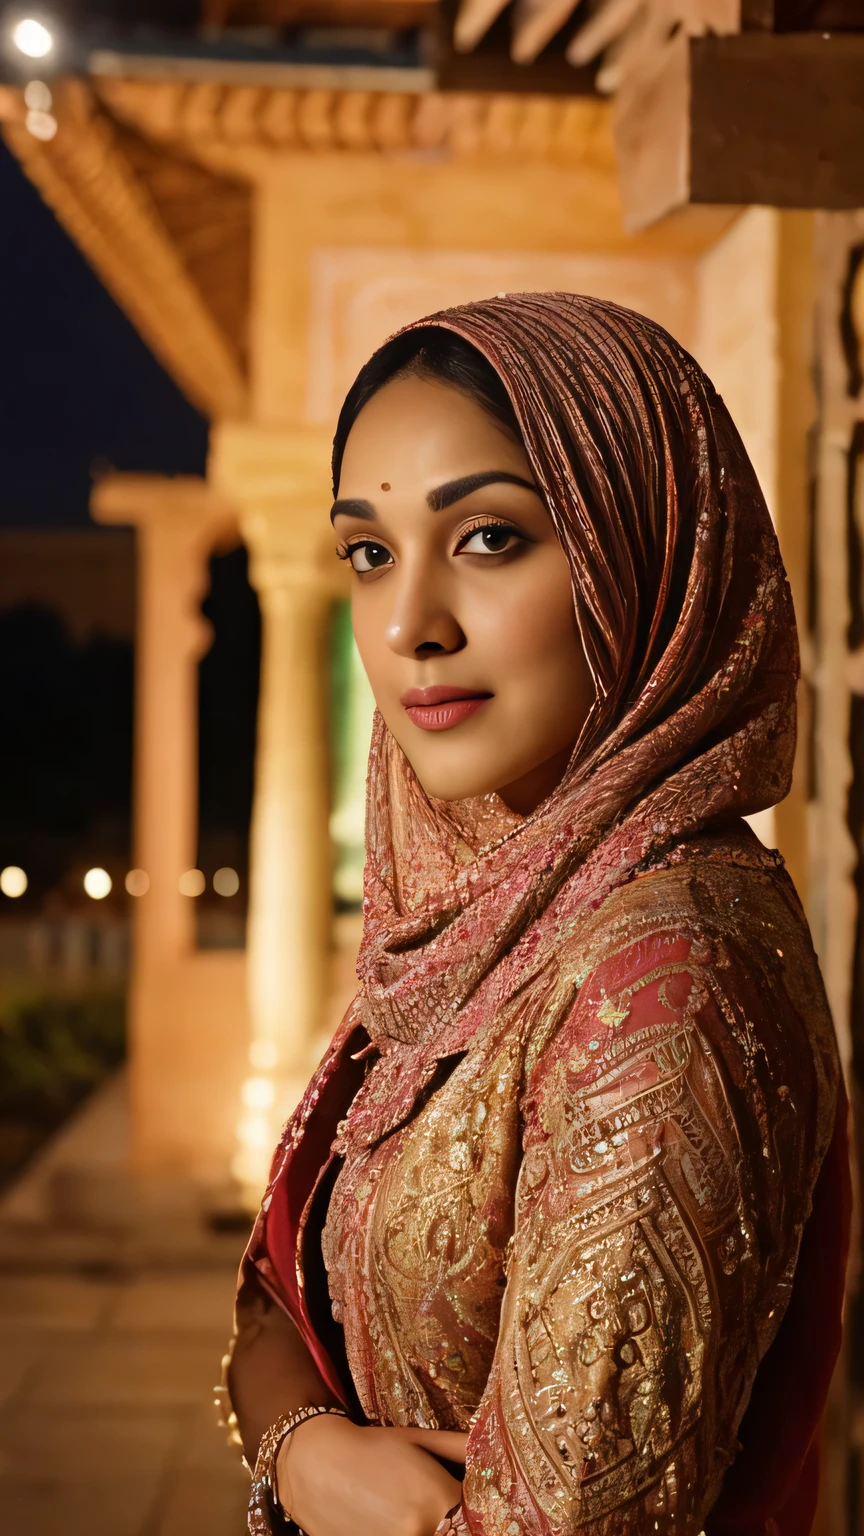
441 707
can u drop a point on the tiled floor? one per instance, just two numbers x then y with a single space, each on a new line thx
106 1420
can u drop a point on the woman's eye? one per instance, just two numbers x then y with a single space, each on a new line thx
368 556
493 540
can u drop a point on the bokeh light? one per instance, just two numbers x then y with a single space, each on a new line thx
192 883
226 882
254 1131
263 1055
41 125
13 881
258 1092
37 96
137 882
32 38
246 1168
97 883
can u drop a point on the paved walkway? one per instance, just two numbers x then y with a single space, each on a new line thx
106 1420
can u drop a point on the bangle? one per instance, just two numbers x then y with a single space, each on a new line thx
225 1415
260 1518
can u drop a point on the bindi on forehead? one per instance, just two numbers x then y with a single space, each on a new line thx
385 485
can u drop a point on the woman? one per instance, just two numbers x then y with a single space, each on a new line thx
569 1188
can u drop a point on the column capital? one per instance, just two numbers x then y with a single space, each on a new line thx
181 520
181 504
278 478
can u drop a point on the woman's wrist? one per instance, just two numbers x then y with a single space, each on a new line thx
274 1445
311 1430
281 1475
281 1470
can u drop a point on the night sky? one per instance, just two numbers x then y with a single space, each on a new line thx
81 393
78 387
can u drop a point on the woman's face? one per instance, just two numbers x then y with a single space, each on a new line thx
462 603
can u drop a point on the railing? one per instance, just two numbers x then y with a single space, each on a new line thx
67 951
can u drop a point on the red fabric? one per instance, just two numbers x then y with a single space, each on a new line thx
772 1487
775 1477
276 1254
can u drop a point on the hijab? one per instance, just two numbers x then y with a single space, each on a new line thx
686 618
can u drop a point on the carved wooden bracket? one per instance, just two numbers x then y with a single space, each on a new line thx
765 118
86 178
239 129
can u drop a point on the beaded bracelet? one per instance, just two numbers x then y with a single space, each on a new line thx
263 1493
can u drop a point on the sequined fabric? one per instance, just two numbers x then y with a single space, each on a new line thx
687 623
583 1243
600 1076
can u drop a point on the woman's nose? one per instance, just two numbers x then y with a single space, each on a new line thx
422 622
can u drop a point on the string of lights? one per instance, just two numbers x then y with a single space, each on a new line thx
98 883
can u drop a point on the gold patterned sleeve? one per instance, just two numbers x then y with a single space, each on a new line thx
668 1161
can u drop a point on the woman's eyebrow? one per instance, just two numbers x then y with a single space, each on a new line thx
454 490
361 509
443 496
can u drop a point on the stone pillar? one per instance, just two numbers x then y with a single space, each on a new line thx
839 672
278 480
755 295
837 746
182 1006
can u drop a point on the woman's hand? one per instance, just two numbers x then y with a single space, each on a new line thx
336 1478
450 1443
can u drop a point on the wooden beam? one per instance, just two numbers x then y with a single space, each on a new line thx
84 176
778 120
651 117
535 23
764 118
486 28
606 22
395 14
473 20
801 15
633 34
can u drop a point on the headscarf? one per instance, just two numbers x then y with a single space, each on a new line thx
686 617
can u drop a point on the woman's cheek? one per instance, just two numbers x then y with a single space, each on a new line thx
379 662
532 630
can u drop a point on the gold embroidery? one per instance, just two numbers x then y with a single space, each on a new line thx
560 1243
607 1013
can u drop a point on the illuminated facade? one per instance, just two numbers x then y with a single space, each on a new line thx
265 222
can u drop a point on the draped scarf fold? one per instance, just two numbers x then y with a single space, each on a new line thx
686 618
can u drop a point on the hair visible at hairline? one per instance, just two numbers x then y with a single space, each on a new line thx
433 353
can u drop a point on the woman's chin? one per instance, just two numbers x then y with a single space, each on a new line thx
450 790
456 782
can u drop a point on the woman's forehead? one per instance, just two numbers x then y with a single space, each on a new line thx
417 427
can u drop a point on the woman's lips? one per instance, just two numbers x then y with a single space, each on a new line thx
441 707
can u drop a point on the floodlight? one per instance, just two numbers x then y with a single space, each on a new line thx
32 37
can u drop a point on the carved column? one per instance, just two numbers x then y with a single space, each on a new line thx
178 523
837 809
755 340
838 605
278 480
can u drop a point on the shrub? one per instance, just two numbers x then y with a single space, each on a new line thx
54 1051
